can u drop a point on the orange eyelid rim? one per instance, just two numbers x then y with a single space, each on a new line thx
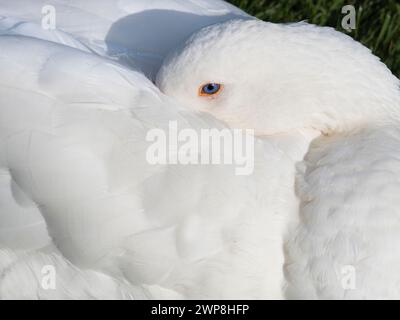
203 94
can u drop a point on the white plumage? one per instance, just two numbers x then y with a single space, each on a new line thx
306 77
77 192
194 230
137 33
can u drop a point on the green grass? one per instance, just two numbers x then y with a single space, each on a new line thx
377 22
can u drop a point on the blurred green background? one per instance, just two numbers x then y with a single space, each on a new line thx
377 21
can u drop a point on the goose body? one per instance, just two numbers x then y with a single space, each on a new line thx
79 193
96 207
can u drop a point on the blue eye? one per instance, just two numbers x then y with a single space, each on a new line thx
210 89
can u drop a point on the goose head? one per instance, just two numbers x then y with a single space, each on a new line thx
275 78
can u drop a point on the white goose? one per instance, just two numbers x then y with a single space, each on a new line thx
73 152
76 184
279 79
74 175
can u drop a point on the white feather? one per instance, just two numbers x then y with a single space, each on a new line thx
78 193
73 130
